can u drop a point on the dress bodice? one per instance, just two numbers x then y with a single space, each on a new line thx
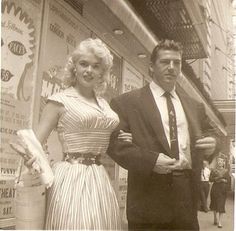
84 127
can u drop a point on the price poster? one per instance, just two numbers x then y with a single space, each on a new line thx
21 23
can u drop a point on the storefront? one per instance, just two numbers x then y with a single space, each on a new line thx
37 37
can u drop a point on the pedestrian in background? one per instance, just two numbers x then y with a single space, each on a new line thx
205 186
219 176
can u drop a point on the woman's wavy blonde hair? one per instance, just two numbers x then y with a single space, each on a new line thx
100 50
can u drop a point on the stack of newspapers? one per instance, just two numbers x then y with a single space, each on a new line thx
27 145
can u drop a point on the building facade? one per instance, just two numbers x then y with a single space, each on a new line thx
38 36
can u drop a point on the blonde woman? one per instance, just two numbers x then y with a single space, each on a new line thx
81 197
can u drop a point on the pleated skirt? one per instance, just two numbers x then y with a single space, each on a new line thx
81 198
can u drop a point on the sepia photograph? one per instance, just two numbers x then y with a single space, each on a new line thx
118 115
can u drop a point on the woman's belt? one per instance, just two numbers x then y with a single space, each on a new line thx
88 158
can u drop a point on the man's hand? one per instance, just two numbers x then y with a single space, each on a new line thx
182 163
164 164
206 145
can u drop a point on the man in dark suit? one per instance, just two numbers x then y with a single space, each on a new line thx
162 159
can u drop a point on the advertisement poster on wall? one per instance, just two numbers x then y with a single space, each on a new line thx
20 27
132 79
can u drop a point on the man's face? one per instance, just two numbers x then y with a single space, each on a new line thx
166 68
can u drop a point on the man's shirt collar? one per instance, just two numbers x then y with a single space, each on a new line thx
158 91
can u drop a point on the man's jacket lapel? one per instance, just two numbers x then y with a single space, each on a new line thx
152 116
191 113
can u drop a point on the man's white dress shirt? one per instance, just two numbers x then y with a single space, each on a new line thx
182 123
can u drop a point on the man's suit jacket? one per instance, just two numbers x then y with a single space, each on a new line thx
149 194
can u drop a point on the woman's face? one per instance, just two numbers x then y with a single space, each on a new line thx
220 162
89 70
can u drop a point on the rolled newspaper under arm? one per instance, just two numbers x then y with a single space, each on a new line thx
28 146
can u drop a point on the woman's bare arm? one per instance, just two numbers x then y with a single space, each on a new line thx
48 120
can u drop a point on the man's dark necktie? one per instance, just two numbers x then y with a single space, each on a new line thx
174 146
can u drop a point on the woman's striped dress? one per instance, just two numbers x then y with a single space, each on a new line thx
82 197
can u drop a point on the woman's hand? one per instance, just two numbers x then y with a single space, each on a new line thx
29 162
32 165
125 136
23 151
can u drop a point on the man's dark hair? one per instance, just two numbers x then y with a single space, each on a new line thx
166 44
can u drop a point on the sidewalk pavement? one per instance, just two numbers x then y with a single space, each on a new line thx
206 219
